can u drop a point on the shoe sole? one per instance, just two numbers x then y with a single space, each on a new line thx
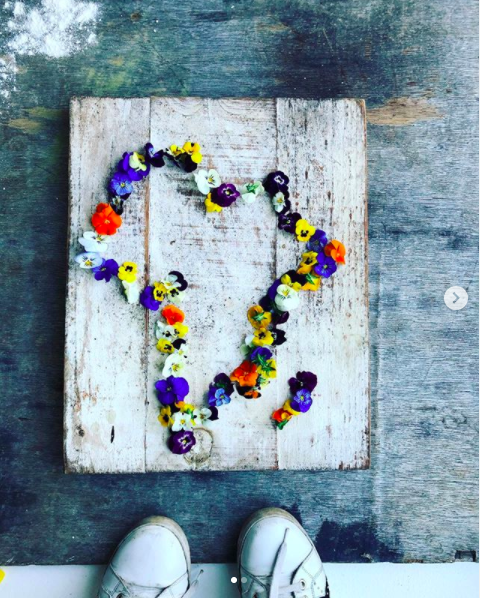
169 524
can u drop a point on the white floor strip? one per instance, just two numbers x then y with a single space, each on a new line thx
381 580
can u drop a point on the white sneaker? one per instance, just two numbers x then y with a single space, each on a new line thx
277 559
153 560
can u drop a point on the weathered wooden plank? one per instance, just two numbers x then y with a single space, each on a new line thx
322 145
105 347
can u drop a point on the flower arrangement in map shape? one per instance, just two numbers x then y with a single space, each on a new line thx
320 259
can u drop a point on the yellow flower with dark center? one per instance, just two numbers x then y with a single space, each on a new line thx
268 369
176 150
262 337
296 286
182 329
193 150
309 260
165 417
165 346
128 272
258 317
160 291
210 205
304 230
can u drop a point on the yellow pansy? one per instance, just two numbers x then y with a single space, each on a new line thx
128 272
176 150
258 317
160 291
210 205
193 150
287 407
165 417
165 346
313 283
286 279
262 337
304 230
309 259
268 369
182 329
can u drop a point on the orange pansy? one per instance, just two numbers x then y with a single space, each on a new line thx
173 314
336 251
246 374
105 221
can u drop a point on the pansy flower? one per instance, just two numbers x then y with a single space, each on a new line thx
117 204
201 417
287 298
207 180
223 381
301 401
303 380
261 337
245 375
279 336
173 315
326 266
282 417
159 291
121 185
268 369
276 181
303 230
182 442
336 251
288 222
148 300
165 345
258 317
272 291
249 392
105 221
163 330
218 396
134 165
182 421
225 195
172 390
260 355
132 291
177 279
105 272
293 279
280 203
193 150
210 205
317 241
312 282
287 406
309 259
251 191
156 159
93 242
165 417
89 260
174 365
128 272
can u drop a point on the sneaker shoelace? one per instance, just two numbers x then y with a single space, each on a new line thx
277 590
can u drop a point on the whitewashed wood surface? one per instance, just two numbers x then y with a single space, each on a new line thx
229 259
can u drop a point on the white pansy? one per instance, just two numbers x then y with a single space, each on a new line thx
207 180
163 330
131 290
178 297
93 242
201 417
251 191
182 421
286 298
247 347
174 365
89 260
279 200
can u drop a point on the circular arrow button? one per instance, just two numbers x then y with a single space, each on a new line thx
455 298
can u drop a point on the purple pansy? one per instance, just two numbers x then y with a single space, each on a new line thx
272 291
326 266
225 195
156 159
303 380
135 173
276 181
281 318
288 222
218 397
120 184
105 272
214 417
317 241
260 354
223 381
172 390
302 401
147 299
279 336
181 442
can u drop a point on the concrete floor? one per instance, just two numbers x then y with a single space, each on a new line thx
381 580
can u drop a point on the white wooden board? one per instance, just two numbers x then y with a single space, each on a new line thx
229 259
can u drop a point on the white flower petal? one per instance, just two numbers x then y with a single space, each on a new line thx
132 291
